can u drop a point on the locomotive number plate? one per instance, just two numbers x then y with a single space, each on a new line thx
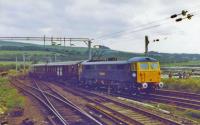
102 73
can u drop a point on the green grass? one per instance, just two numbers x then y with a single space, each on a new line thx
188 113
9 96
7 65
188 85
19 52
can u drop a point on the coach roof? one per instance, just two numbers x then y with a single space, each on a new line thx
58 63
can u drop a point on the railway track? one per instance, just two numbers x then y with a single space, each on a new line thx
181 102
180 94
127 113
176 98
110 119
61 111
97 109
100 107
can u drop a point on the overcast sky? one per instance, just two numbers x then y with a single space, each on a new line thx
118 24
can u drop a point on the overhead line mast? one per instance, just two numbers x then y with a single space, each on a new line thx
87 41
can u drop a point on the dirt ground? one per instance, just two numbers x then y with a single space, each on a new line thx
75 99
31 111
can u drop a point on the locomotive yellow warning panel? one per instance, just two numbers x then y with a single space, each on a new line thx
148 72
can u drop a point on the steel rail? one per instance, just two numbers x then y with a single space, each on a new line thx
175 93
52 106
149 114
42 101
66 101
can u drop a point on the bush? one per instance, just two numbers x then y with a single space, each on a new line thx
189 85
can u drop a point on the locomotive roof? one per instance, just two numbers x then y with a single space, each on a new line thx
104 62
58 63
142 59
135 59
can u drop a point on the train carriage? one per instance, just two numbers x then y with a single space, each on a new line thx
133 75
53 71
139 73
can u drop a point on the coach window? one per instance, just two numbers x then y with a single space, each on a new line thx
61 71
58 71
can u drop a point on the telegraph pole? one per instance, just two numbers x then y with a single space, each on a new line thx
24 61
146 45
55 58
16 65
89 49
64 41
44 41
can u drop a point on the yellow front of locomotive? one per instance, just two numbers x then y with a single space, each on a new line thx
149 75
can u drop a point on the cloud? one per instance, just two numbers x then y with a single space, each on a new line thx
94 18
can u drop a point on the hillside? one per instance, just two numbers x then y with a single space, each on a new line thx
37 53
10 50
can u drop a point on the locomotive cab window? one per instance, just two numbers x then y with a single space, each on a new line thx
144 66
154 65
133 67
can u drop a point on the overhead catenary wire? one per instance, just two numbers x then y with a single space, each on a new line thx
194 13
151 25
136 30
130 29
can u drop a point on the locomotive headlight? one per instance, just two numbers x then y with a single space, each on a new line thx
161 84
134 74
144 85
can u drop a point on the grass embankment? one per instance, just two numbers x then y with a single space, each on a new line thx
187 85
9 96
7 65
188 113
